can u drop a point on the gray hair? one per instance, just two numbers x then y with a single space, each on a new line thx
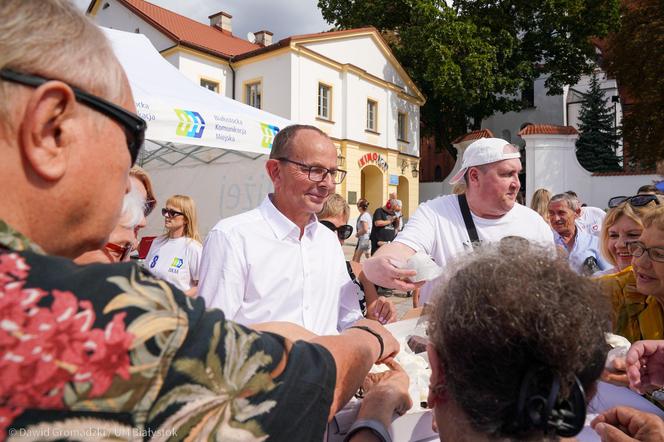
572 202
133 204
53 39
282 144
505 310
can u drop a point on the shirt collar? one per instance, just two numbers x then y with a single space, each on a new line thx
14 240
281 225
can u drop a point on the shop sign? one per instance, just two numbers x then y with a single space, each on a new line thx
373 158
394 180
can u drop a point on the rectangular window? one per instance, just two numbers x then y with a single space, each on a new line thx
528 95
253 94
402 126
324 97
209 84
372 107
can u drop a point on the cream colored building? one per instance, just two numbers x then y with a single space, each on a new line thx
347 83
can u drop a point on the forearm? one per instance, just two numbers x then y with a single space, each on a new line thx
354 352
383 222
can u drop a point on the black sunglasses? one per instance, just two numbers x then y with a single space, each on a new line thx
133 125
636 200
121 252
343 232
170 213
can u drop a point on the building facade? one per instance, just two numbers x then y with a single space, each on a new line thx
347 83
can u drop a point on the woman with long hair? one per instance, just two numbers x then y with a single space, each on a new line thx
175 256
540 202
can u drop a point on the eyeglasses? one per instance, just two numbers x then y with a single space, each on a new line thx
637 249
636 200
133 125
170 213
343 232
318 173
149 206
120 253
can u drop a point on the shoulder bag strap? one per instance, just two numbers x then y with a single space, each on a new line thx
468 220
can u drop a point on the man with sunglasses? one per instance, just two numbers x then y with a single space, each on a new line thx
276 262
106 349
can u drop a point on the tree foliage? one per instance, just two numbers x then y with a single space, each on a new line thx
472 59
597 144
635 56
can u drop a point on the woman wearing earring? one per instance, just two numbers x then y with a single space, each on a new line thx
175 256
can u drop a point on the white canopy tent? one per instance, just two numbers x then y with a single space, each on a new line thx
198 143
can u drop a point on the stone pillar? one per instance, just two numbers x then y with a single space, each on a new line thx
551 160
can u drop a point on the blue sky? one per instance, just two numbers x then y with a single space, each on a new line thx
282 17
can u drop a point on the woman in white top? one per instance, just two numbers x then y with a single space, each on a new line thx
363 229
175 256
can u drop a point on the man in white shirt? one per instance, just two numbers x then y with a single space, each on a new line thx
591 218
276 262
490 170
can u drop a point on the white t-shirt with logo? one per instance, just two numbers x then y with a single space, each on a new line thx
437 228
175 260
366 217
591 219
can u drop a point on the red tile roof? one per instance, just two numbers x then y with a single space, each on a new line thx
547 129
474 135
188 32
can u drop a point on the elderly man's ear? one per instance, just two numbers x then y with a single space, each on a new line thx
47 130
273 169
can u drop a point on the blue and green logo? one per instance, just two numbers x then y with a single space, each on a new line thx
191 123
269 131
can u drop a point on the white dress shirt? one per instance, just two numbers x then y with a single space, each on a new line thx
255 268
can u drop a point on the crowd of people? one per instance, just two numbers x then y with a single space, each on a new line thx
263 330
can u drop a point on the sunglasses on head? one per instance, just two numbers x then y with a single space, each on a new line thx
170 213
118 252
133 126
635 201
343 232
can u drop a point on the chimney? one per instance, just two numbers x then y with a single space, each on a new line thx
263 38
222 21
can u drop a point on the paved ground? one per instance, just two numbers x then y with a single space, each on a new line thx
402 302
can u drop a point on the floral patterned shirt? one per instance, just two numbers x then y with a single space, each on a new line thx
103 352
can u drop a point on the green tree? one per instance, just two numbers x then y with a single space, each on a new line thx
597 144
635 56
472 59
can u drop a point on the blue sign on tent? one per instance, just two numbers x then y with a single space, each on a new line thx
394 180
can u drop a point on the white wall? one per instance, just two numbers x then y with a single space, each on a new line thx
275 75
195 68
118 17
551 163
360 51
429 191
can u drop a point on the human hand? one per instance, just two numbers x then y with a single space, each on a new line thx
381 271
390 344
623 424
617 375
388 394
645 365
382 310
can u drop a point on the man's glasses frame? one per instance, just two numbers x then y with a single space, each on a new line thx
635 201
170 213
318 173
133 125
637 249
343 232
